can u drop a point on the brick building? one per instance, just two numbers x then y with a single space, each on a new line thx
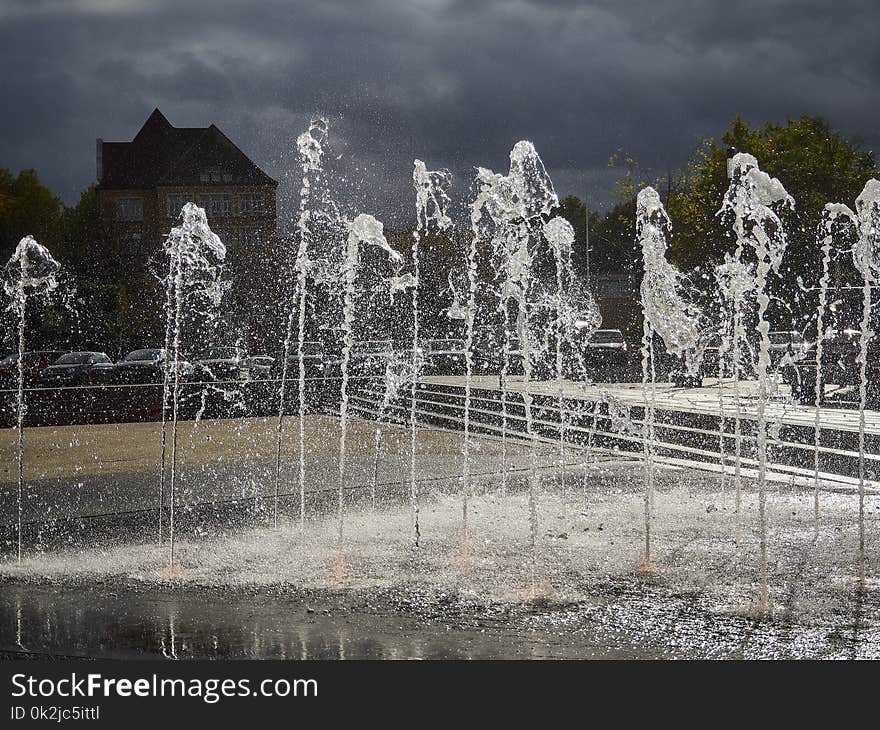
143 184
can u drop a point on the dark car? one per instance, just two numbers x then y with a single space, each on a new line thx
78 368
260 366
606 350
147 366
315 361
443 356
488 352
786 347
370 357
840 366
222 364
34 364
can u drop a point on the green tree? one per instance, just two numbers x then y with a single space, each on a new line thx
79 235
27 207
814 162
574 210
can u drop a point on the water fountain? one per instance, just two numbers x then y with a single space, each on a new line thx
865 222
669 311
735 286
30 274
576 317
866 256
517 270
509 211
195 288
364 230
399 371
752 200
830 216
432 202
310 147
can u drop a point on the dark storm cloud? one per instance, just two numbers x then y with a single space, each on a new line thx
454 83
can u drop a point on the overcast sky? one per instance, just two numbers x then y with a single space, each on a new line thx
455 83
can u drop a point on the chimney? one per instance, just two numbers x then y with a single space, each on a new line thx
99 158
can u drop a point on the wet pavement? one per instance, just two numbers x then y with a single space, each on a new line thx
240 588
629 619
258 592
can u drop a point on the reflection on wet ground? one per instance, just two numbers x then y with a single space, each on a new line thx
628 620
243 589
122 622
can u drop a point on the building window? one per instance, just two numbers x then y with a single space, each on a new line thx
216 205
210 176
175 204
221 206
250 204
130 209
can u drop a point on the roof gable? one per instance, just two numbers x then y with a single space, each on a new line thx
163 155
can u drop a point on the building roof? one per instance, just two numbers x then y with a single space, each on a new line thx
161 155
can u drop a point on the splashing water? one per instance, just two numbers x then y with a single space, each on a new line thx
751 201
432 203
560 235
493 211
310 147
667 295
364 230
831 214
31 273
619 414
667 301
195 289
735 282
399 371
866 257
509 211
723 340
541 304
576 315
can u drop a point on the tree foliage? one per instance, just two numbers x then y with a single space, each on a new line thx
27 207
814 162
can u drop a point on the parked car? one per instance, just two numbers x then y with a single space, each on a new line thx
260 366
147 366
606 349
840 366
443 356
34 364
788 347
222 363
369 357
78 368
315 361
